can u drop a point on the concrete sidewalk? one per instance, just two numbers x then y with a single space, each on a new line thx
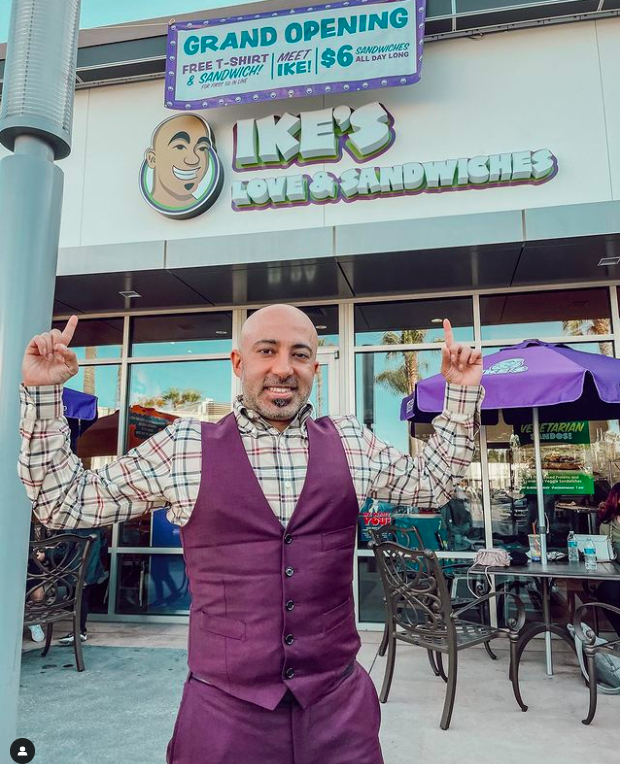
122 708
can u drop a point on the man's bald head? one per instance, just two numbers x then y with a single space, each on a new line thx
276 362
275 317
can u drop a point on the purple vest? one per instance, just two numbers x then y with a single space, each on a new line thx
272 607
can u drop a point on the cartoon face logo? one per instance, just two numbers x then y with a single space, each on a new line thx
509 366
181 175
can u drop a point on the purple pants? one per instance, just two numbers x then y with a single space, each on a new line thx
340 728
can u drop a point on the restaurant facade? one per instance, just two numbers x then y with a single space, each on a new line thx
488 193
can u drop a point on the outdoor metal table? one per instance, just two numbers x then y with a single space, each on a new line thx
545 572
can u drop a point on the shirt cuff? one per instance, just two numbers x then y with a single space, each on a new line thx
43 402
463 399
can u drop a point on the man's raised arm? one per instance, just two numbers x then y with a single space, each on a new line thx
63 493
429 480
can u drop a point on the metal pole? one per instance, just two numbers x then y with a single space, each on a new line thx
35 123
542 529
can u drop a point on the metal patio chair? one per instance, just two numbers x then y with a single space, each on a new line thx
420 612
410 538
54 586
589 638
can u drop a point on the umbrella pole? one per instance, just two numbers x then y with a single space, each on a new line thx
542 529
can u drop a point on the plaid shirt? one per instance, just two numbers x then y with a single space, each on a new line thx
165 470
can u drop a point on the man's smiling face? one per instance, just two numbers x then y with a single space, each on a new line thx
179 156
277 363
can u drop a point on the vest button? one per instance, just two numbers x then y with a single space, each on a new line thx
289 673
290 605
289 639
289 571
288 539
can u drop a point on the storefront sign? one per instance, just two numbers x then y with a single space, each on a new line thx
556 432
334 48
364 133
181 175
371 519
144 422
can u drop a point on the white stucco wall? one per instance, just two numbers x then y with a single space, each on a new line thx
555 87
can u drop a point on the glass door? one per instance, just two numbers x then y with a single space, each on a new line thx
324 395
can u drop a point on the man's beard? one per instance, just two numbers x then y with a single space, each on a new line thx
278 408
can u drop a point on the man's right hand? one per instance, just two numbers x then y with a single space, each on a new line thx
48 360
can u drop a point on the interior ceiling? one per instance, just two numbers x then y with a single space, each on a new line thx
389 274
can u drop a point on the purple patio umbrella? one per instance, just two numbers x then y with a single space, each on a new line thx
538 382
80 410
79 405
562 383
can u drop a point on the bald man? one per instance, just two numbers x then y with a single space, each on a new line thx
179 158
268 500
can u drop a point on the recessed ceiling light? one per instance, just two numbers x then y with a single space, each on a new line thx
129 293
321 326
220 332
609 260
436 320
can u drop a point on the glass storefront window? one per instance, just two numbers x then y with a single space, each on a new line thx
370 591
412 322
382 380
325 320
184 334
96 338
188 389
319 397
581 461
569 313
438 8
371 595
99 444
160 393
99 591
154 584
467 6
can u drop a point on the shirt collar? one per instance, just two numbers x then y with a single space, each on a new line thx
252 423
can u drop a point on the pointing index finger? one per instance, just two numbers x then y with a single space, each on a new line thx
69 330
447 328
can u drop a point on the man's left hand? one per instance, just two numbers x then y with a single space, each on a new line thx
460 364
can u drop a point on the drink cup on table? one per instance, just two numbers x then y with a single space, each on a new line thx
535 548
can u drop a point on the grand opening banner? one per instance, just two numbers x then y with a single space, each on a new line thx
339 47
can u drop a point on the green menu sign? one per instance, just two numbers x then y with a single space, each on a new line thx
556 432
570 482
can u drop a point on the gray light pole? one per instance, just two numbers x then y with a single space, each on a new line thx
36 115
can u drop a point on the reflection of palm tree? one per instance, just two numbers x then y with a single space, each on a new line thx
172 397
402 379
319 384
596 326
90 353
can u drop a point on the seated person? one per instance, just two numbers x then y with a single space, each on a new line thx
609 591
